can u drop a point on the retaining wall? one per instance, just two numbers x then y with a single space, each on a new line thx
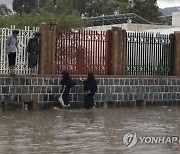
120 91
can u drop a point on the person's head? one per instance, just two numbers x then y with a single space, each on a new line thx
15 33
65 75
91 76
37 34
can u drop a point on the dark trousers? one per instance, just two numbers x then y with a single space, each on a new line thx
12 58
32 59
65 96
88 101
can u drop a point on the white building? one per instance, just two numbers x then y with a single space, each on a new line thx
155 28
176 18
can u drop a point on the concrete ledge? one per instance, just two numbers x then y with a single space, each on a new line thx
29 106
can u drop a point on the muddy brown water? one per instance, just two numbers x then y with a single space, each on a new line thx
96 131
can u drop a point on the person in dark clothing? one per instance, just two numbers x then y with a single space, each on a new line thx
90 88
33 51
67 83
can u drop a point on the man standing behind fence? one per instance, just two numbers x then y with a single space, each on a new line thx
33 49
11 48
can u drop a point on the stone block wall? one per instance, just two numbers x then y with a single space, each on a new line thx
121 91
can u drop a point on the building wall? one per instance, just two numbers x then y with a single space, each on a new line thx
122 91
176 18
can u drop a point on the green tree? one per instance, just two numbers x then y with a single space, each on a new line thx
147 9
81 5
4 10
42 3
64 6
121 6
67 13
26 6
50 6
62 15
90 8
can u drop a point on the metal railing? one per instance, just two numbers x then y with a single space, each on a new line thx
82 51
149 54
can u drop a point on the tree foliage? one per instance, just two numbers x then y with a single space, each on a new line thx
68 13
4 10
59 12
148 9
145 8
26 6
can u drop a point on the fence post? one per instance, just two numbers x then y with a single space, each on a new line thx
118 51
177 54
47 60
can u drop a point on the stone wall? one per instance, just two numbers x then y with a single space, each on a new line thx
120 91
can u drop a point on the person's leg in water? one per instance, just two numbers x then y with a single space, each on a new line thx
87 101
65 98
92 100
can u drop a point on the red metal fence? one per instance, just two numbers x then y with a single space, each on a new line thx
82 51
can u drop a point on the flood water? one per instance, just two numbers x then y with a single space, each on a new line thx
97 131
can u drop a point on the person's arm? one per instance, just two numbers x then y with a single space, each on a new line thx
7 49
81 79
8 45
17 47
63 83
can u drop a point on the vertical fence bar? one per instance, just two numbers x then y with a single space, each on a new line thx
85 51
157 54
149 36
133 49
127 56
143 47
139 59
62 51
106 54
91 49
130 47
135 45
171 55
